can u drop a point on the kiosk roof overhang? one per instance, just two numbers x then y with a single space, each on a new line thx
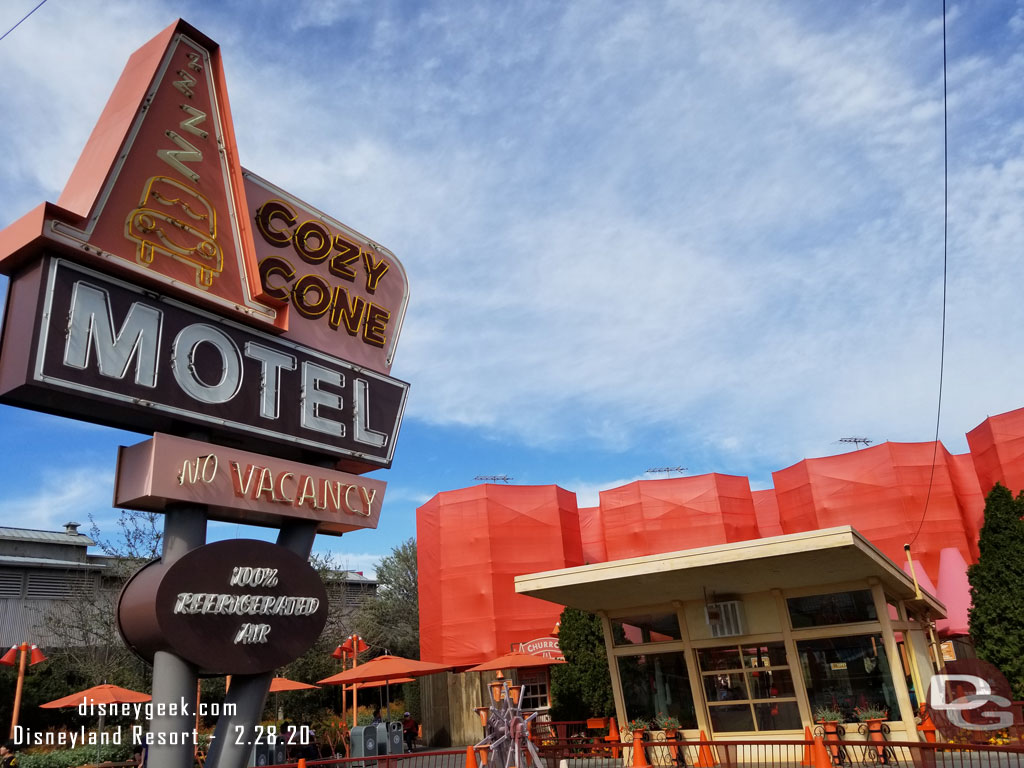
793 561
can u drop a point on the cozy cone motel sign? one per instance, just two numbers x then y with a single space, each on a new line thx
172 292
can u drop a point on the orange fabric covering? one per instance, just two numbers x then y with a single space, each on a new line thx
997 446
881 492
471 544
766 510
651 516
972 500
592 535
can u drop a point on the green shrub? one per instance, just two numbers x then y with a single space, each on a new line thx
68 758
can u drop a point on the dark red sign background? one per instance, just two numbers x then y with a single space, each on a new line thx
148 623
33 375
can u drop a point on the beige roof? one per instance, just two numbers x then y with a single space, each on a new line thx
792 561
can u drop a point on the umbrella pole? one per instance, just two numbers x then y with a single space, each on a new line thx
99 737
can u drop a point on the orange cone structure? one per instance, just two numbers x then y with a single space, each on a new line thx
821 756
705 757
614 737
302 762
639 756
927 727
470 758
806 760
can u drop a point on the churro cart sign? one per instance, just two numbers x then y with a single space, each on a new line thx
232 607
179 289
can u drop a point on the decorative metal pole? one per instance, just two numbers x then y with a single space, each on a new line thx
22 651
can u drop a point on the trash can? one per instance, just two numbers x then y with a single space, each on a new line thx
364 743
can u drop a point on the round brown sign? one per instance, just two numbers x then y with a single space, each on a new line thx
230 608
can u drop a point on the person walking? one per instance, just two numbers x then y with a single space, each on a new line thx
409 729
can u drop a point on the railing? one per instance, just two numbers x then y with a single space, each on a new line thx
576 753
424 759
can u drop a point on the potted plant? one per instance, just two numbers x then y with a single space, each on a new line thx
667 723
872 718
637 726
670 726
826 715
830 718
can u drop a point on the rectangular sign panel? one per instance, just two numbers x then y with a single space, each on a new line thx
238 486
78 343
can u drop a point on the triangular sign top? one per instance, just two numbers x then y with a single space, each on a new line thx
158 189
159 197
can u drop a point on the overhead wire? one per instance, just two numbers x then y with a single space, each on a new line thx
945 264
5 34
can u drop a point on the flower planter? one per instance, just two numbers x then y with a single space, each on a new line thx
833 732
671 734
658 755
876 736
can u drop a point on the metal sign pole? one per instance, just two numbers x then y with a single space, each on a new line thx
174 680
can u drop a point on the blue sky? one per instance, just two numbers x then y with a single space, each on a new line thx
636 234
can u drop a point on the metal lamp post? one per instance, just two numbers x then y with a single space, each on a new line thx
27 653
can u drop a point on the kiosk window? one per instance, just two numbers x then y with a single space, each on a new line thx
653 628
835 608
657 683
848 672
749 688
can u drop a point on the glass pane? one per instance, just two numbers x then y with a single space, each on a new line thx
770 685
777 716
654 683
725 686
633 630
719 658
847 672
731 717
765 655
837 608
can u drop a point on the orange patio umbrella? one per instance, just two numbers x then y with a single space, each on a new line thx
515 660
379 683
385 670
99 694
279 684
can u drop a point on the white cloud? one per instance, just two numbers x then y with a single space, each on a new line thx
721 220
59 496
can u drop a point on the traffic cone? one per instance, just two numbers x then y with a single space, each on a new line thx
639 756
822 759
470 758
705 757
806 760
302 762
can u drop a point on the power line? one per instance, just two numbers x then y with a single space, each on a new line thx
5 34
945 252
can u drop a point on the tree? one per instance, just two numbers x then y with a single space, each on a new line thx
88 645
997 587
581 687
391 619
